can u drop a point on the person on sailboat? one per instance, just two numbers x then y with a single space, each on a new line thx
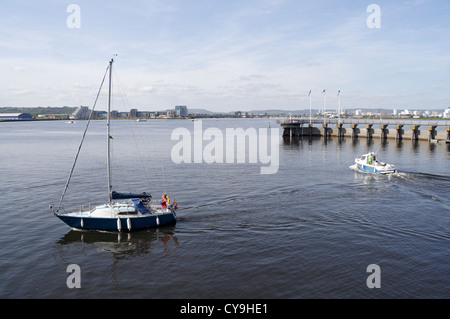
165 201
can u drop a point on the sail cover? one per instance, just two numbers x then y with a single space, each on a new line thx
140 206
116 195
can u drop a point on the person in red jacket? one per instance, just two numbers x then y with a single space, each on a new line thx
165 201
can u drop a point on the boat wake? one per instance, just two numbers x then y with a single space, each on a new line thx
424 177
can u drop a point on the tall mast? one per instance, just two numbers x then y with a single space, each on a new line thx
108 136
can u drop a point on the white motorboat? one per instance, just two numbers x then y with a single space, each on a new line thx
369 163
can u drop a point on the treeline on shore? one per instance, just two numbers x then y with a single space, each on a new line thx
35 111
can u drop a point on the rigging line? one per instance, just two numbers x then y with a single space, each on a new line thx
134 128
125 104
82 140
164 179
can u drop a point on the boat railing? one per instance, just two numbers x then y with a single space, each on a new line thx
116 209
90 207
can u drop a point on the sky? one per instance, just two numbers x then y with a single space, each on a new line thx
227 55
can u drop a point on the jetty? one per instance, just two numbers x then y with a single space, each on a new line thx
434 131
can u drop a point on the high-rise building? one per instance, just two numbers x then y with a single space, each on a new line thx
181 111
133 113
82 112
171 113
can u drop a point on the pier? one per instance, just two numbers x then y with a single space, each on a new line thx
433 131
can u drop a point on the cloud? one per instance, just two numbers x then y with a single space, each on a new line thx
250 77
218 55
18 91
18 68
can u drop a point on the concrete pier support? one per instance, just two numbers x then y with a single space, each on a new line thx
383 128
288 131
415 132
354 128
431 132
339 130
369 130
326 132
398 135
292 131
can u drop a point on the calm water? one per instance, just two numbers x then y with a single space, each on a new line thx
308 231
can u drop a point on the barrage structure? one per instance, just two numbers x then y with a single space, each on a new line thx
433 131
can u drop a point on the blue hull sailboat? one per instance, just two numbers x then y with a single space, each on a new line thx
123 211
132 214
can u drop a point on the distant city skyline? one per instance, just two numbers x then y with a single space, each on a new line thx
229 55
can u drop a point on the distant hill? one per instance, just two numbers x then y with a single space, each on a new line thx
203 111
270 112
306 111
34 111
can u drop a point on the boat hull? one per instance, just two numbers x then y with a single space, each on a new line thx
122 223
373 169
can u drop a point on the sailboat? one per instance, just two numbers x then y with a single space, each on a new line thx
123 211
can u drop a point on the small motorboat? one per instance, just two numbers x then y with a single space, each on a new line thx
369 163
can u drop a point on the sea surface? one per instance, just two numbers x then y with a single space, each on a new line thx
310 230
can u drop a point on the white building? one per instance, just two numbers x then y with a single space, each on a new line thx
447 113
405 112
82 112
